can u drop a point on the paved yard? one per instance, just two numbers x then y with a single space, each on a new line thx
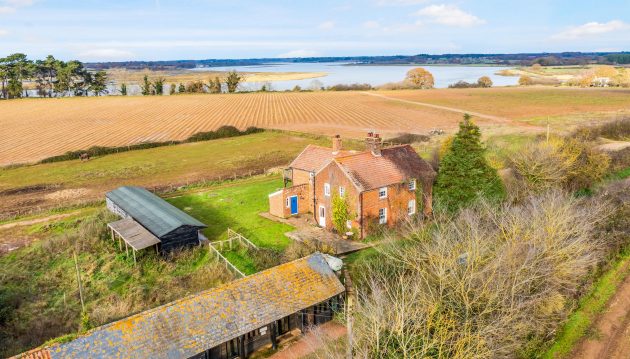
311 341
306 230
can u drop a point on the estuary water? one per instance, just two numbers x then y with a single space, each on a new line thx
375 75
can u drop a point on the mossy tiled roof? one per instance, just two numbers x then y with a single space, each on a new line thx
151 211
196 323
396 164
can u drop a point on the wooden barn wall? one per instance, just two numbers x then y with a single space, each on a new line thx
183 236
256 339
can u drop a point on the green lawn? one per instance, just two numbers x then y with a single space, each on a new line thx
238 207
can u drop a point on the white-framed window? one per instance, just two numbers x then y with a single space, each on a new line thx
342 191
412 184
288 202
382 192
411 207
382 215
349 224
327 189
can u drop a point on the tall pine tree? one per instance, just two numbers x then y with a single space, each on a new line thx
464 172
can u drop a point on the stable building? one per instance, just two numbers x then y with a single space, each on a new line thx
149 221
230 321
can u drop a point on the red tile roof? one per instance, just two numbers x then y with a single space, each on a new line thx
313 158
395 165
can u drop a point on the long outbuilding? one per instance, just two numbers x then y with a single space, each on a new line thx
148 220
230 321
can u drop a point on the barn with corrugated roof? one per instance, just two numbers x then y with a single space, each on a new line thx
148 220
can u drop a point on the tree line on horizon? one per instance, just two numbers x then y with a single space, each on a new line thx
50 77
156 86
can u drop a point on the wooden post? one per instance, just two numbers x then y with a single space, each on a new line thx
76 266
274 340
126 249
349 309
134 255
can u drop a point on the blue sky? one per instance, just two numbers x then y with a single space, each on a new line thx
101 30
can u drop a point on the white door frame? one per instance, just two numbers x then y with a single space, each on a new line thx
322 219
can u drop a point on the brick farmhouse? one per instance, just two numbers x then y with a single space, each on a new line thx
382 186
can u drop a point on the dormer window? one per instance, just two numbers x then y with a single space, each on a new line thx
412 184
382 192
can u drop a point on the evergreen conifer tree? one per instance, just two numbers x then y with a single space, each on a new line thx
464 172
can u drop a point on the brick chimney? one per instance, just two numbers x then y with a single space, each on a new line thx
373 143
336 144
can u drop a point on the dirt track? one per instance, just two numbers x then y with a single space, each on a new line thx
610 336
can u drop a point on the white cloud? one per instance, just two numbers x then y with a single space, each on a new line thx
106 54
399 28
371 24
591 29
9 6
450 15
299 53
19 3
3 32
326 25
400 2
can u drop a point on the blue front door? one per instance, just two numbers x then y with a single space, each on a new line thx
294 205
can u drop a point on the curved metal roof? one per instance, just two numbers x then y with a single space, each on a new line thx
151 211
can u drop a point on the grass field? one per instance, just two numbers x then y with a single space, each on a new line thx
66 183
39 299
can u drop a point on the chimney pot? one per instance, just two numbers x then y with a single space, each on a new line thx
373 144
337 144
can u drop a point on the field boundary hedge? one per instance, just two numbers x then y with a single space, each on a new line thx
221 132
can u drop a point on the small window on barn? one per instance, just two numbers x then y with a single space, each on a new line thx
342 191
327 189
382 216
382 192
411 207
288 204
412 184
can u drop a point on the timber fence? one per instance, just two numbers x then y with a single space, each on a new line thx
228 265
233 236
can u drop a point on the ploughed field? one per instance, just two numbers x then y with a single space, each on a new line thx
33 129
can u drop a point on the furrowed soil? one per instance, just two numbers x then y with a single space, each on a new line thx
33 129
